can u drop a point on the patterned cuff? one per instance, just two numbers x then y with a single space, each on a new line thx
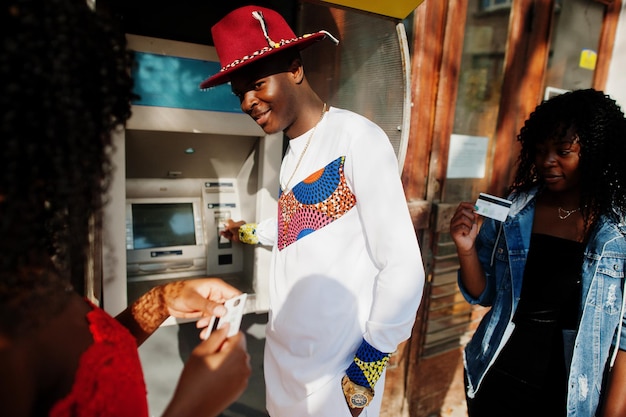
247 234
368 365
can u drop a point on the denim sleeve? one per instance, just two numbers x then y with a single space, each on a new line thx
622 340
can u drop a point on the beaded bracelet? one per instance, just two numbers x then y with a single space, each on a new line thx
368 365
247 234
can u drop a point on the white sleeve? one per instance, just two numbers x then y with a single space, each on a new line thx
267 231
372 171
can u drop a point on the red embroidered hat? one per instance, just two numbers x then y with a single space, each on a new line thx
249 33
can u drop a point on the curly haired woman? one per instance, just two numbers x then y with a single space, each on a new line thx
553 342
65 89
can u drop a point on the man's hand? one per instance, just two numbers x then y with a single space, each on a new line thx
231 230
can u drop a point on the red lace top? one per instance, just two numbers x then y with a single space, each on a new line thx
109 381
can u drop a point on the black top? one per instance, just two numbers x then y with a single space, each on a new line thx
552 281
549 303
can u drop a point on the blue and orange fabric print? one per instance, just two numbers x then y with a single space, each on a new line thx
318 200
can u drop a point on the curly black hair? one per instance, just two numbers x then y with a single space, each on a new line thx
600 126
66 87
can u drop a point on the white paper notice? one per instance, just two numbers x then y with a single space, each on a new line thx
467 157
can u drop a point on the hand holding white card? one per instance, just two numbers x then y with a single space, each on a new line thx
493 207
234 313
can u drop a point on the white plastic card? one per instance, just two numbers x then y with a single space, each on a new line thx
234 313
493 207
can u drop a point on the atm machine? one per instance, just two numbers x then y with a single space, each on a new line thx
187 161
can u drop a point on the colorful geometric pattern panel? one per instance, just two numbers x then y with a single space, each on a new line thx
318 200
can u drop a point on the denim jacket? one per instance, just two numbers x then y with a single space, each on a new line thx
502 250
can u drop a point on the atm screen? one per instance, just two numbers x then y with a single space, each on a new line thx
163 224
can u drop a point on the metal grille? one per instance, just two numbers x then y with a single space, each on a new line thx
368 72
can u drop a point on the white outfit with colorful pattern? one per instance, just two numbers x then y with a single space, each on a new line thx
346 266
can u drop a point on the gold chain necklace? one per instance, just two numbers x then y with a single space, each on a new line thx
564 214
306 146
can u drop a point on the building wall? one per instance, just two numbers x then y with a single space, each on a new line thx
616 83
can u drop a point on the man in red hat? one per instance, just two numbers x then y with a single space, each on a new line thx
346 276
